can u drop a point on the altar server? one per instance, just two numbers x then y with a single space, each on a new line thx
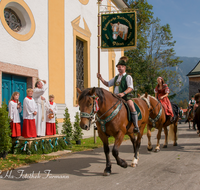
51 110
15 109
29 113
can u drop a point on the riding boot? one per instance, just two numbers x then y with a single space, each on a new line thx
134 118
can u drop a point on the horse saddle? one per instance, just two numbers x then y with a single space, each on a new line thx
175 110
128 110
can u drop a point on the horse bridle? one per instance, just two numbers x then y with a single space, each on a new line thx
153 121
91 115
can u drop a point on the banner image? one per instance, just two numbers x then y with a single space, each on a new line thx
119 30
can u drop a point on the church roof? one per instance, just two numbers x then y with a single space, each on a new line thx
121 3
195 70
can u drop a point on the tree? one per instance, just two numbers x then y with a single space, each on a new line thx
154 54
5 132
67 126
77 134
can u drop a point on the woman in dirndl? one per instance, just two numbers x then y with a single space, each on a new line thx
161 93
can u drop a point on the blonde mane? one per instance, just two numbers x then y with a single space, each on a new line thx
146 99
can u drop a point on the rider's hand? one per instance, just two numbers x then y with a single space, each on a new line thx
99 76
120 95
161 97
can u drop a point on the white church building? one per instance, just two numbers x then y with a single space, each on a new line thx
53 40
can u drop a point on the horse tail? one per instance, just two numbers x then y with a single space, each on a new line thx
171 133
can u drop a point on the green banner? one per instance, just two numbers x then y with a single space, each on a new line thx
118 30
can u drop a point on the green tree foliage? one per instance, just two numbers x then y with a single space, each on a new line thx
154 54
5 132
56 123
67 126
77 134
183 104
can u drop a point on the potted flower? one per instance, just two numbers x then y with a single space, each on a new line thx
77 134
5 132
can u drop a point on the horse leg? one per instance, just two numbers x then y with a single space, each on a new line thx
136 145
166 137
189 124
149 147
106 148
175 134
157 149
115 152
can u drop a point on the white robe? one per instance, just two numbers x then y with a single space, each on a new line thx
14 112
54 108
40 117
29 108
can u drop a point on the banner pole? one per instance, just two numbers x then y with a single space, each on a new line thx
98 48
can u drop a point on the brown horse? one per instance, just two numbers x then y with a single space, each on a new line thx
197 112
190 116
107 125
158 119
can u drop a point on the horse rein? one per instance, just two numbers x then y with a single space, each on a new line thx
91 115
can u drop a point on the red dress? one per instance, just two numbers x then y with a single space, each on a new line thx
165 101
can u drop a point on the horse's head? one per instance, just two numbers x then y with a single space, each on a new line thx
86 103
115 29
197 98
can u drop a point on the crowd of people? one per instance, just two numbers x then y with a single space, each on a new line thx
38 114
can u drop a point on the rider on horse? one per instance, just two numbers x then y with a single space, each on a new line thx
123 85
191 103
161 93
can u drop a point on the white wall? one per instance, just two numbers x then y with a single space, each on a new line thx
32 53
89 12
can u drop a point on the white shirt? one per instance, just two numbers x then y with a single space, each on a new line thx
48 106
29 108
129 82
14 112
37 92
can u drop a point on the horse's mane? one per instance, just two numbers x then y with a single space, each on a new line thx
146 99
99 93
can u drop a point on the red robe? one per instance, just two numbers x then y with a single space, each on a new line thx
165 101
50 128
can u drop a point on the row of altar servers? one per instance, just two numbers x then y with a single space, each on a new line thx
38 118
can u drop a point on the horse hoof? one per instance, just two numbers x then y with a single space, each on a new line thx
149 149
157 150
106 173
175 144
133 165
165 146
123 164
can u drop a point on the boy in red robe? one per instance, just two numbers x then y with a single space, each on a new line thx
29 113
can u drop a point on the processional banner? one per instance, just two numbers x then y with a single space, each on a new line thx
118 30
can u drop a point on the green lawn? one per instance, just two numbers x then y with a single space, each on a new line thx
13 161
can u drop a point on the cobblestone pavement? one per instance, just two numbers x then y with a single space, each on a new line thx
171 168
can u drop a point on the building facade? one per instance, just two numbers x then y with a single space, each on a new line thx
55 41
194 80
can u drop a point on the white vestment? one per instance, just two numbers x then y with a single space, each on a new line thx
14 112
29 108
40 117
54 108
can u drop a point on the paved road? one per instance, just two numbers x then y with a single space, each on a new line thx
172 168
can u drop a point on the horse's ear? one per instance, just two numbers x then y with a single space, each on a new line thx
79 91
111 24
146 95
118 23
138 95
92 91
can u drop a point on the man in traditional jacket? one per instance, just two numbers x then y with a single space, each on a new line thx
123 85
40 88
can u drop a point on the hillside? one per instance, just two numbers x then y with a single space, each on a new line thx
183 69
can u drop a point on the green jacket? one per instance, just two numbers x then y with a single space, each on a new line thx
122 85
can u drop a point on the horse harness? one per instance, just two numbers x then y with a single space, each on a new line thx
95 109
153 121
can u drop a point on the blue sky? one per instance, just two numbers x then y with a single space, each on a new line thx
183 16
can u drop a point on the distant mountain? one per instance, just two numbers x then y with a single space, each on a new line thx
183 69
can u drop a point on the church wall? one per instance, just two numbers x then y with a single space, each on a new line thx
33 52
